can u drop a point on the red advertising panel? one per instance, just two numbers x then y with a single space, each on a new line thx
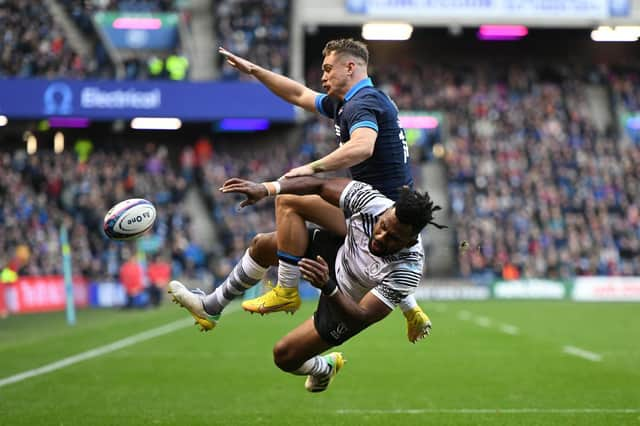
4 310
42 294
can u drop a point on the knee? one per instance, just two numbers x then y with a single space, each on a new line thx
284 357
259 243
263 249
286 202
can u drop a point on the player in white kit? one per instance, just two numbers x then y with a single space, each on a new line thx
362 277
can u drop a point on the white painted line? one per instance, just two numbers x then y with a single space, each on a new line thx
483 322
464 315
486 322
494 411
510 329
102 350
582 353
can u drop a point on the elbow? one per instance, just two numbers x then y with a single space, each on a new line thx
365 150
369 152
352 310
363 153
359 315
363 318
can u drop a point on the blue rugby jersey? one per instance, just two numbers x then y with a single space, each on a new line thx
365 106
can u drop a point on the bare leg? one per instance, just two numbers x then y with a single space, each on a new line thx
314 209
299 353
291 213
301 344
263 249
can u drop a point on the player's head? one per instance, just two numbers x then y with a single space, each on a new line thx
399 226
345 63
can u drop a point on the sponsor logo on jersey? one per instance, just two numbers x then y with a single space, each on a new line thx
373 268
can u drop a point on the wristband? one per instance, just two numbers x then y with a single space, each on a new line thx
330 288
273 188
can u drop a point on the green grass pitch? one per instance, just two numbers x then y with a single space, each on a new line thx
486 363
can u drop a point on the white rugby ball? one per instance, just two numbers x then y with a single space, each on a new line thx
129 219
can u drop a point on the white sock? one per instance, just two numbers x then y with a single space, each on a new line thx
245 275
408 303
288 274
316 366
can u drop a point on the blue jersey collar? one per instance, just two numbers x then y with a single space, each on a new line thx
366 82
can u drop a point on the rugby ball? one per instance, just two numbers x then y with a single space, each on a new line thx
129 219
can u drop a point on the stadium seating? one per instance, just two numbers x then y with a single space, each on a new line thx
47 190
535 188
33 45
257 30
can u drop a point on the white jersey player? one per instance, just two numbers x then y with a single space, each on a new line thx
390 277
362 277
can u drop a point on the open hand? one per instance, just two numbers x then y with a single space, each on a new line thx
237 62
254 191
305 170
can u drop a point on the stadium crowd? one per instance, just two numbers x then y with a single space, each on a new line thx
31 44
44 191
536 190
625 84
257 30
536 187
259 160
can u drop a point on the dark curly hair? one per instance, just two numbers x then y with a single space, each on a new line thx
416 209
347 45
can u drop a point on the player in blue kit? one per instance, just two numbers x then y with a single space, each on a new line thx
371 144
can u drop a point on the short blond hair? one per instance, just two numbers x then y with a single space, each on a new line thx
347 45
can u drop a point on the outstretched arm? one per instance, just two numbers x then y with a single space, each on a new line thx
286 88
329 189
355 151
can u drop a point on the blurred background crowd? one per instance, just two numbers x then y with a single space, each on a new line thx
537 185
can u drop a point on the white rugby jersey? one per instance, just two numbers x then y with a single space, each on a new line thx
390 278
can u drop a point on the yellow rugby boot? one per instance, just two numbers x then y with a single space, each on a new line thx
278 299
418 324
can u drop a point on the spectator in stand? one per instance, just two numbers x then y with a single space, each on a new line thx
256 30
533 183
31 44
133 281
159 274
45 190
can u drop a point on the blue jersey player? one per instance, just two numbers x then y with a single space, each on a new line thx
364 106
371 144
